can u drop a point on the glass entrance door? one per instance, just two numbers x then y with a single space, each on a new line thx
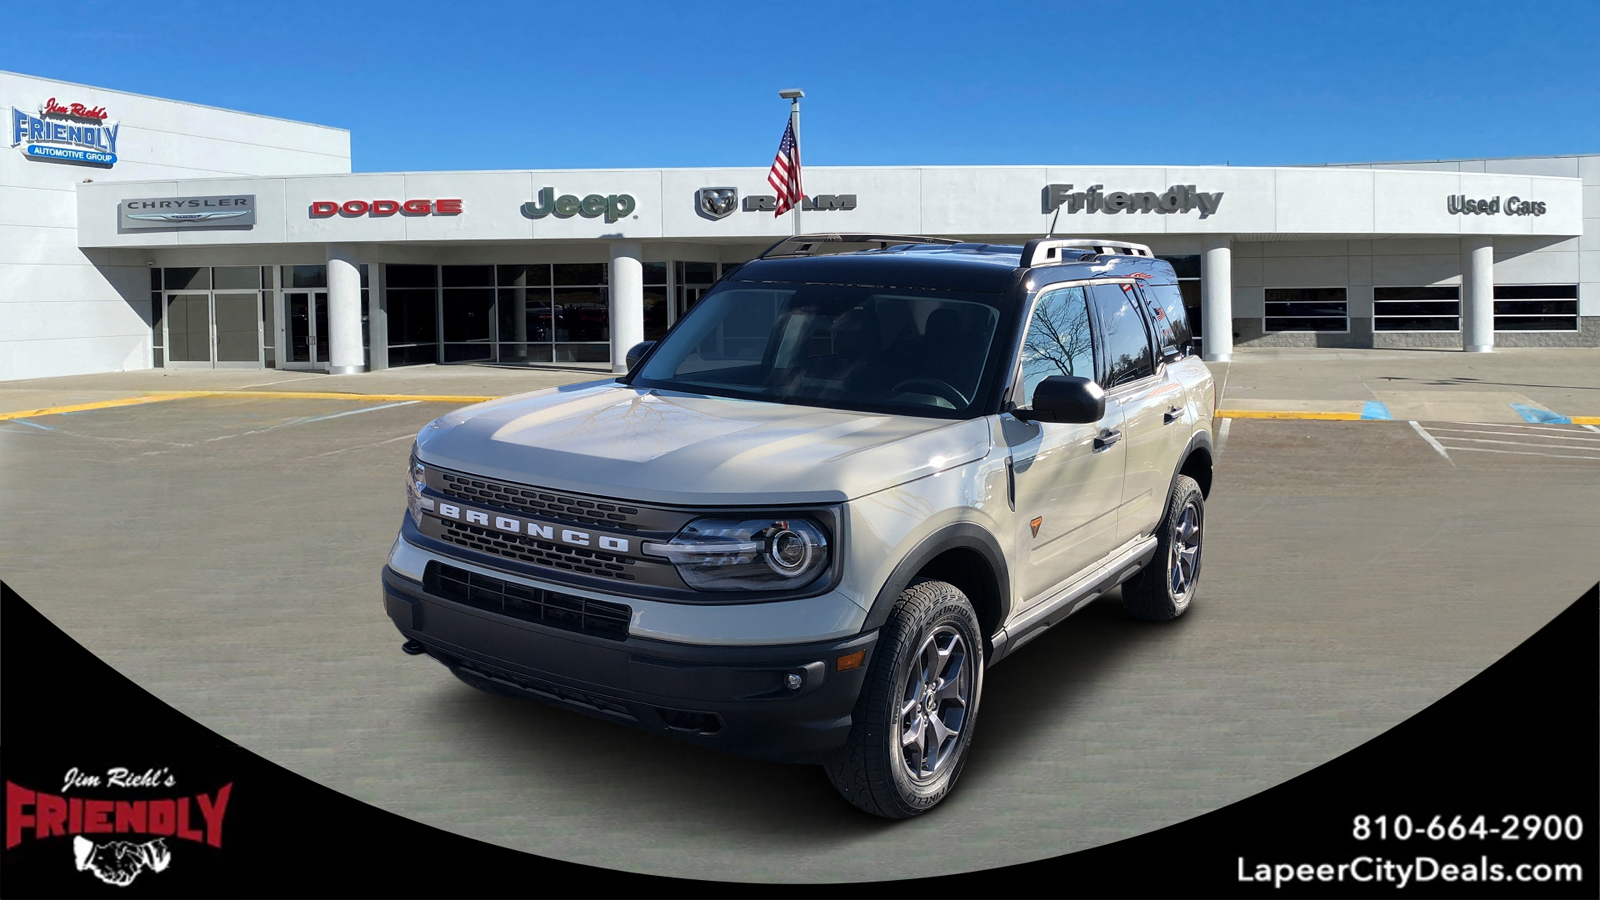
213 330
306 319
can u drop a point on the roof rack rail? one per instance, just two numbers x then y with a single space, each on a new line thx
1047 251
804 244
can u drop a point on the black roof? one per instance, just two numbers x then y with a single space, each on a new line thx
990 268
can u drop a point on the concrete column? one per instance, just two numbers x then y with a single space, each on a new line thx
1477 294
1216 297
344 310
627 301
377 316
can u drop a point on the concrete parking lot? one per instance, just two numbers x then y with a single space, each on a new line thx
222 550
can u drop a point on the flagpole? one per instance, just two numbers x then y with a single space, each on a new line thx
793 95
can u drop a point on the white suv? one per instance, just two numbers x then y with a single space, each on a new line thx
809 517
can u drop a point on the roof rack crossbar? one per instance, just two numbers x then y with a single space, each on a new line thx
803 244
1047 251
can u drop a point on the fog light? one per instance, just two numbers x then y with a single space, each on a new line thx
792 681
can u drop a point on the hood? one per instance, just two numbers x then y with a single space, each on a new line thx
665 447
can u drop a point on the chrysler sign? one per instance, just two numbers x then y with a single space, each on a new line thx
227 211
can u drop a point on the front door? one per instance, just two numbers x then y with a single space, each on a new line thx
306 321
1067 478
213 330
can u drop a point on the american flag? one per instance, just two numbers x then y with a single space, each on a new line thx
785 174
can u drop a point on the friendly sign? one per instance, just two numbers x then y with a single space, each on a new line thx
71 133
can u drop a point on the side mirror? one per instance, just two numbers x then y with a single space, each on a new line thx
637 353
1067 399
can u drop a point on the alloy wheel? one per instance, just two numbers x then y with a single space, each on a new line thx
1185 562
934 705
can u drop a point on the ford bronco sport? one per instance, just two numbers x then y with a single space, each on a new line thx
804 523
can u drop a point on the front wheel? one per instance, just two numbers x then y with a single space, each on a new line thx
1163 589
914 719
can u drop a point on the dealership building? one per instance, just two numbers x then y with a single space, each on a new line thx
137 232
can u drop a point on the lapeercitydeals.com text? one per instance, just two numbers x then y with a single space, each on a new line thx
1418 870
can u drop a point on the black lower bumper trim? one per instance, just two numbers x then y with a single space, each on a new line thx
787 703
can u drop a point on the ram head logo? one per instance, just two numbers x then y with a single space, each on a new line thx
119 862
717 202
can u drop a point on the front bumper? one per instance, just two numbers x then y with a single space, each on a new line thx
731 698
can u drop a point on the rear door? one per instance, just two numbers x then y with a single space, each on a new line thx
1129 375
1177 366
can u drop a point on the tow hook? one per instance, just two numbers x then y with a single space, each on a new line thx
413 648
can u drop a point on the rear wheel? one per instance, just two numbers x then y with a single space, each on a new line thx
1164 588
915 716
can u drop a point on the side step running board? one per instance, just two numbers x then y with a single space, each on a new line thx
1051 612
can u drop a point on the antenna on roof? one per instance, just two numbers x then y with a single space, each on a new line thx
1053 220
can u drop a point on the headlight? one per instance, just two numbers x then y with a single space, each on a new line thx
416 480
766 553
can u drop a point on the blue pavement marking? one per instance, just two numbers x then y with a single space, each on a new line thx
34 425
1540 416
1375 410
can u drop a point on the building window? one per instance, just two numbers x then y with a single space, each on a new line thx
655 301
269 319
1416 308
694 279
207 315
467 313
1306 309
523 310
554 313
157 342
1535 307
412 293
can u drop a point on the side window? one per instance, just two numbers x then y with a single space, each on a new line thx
1059 341
1127 343
1171 320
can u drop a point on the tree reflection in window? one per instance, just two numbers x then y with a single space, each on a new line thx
1059 341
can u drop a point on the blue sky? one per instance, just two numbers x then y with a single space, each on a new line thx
484 85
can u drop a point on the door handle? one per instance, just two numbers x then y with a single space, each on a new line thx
1173 414
1106 438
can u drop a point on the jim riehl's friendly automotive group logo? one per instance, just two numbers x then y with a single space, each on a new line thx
116 839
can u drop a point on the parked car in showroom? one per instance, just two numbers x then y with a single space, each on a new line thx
860 471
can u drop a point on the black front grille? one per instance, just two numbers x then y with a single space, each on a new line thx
567 611
547 504
540 553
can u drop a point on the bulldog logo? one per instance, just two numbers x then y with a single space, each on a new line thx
717 202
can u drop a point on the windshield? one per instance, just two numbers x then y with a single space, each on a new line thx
841 346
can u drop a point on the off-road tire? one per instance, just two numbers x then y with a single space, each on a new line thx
869 769
1150 595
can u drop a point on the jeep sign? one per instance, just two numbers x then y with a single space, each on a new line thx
612 206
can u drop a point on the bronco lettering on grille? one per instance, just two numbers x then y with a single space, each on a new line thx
569 536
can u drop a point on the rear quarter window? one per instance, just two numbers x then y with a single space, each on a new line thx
1170 317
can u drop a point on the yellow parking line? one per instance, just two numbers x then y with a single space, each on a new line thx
1274 414
333 395
1586 420
80 407
271 395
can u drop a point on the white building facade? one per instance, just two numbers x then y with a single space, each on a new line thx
224 239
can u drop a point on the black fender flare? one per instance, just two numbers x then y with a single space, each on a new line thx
1200 440
955 536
